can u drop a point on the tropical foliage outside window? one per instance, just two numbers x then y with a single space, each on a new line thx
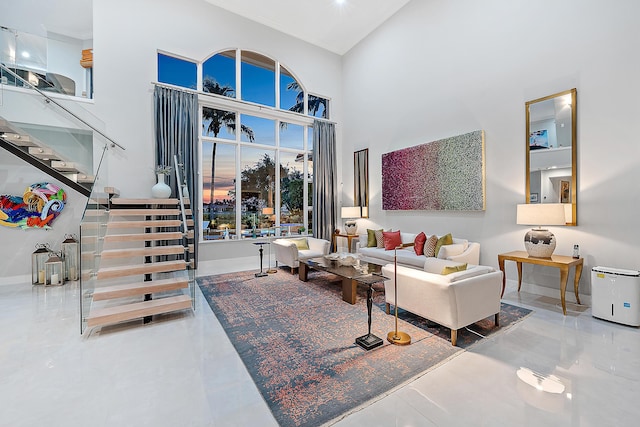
262 155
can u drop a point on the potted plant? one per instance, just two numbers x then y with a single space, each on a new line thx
301 230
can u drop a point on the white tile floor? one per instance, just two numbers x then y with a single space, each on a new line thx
182 370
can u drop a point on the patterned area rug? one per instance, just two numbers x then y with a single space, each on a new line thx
297 341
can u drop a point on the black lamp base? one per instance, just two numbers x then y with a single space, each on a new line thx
369 341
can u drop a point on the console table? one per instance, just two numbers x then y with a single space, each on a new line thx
564 263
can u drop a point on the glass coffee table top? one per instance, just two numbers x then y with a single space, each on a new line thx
347 271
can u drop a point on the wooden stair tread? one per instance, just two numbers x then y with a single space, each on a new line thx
144 212
145 223
150 251
136 269
121 313
143 237
139 288
124 201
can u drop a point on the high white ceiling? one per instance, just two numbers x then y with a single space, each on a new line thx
330 24
325 23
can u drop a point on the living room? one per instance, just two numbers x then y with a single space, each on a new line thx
435 69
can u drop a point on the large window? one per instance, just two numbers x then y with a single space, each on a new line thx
260 152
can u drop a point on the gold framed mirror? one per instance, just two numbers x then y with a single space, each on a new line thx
551 151
361 181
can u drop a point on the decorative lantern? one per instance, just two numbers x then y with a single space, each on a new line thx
71 256
38 258
54 270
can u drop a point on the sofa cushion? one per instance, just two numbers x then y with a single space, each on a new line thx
392 239
379 239
381 254
371 238
409 258
436 265
301 243
473 271
430 246
453 269
447 251
308 253
418 243
447 239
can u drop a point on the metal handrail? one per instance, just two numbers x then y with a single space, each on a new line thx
182 209
48 99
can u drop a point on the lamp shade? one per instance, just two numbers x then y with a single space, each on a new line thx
350 212
541 214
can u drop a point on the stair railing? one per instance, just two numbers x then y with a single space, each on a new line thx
48 100
185 233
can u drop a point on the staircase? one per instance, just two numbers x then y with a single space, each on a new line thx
144 261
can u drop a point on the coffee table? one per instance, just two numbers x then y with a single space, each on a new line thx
348 273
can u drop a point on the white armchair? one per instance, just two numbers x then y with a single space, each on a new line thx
287 252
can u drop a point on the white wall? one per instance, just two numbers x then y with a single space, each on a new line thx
442 68
18 244
127 36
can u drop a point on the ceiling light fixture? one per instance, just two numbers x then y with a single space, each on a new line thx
26 54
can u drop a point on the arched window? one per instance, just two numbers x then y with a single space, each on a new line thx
256 146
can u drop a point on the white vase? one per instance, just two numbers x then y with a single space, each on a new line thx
161 190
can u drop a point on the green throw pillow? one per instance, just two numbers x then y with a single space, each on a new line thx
301 243
447 239
454 269
371 238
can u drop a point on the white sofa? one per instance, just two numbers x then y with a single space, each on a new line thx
287 252
454 300
460 251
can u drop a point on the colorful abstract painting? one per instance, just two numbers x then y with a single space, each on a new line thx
38 207
447 174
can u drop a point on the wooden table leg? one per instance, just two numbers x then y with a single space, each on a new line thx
564 275
504 275
519 266
303 272
576 282
349 287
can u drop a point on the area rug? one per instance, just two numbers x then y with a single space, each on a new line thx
297 341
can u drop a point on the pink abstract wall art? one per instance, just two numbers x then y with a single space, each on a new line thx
447 174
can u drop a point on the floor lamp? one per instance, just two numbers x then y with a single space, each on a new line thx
270 212
396 337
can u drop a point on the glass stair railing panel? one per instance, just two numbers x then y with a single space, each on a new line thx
92 231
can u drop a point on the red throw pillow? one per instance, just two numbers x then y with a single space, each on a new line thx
391 239
418 243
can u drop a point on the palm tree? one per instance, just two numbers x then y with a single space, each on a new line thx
218 120
314 102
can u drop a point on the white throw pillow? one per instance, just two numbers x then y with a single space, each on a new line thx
447 251
436 265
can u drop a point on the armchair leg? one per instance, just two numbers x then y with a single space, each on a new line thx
497 319
454 337
388 308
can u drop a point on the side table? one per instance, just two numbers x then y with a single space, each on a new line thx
349 238
559 261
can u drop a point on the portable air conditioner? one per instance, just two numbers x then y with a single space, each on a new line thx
615 295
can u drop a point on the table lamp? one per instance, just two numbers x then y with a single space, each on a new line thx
350 213
540 242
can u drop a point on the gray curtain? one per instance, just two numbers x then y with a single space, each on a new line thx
324 179
176 125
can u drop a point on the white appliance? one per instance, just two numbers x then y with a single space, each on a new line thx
615 295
